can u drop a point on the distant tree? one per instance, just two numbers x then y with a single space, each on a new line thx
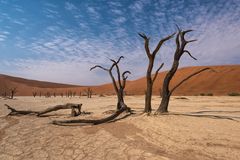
151 58
34 94
66 93
70 93
5 90
48 94
5 93
89 92
160 92
80 94
13 92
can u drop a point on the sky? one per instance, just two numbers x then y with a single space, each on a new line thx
60 40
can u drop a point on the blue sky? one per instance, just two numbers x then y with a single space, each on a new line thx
59 40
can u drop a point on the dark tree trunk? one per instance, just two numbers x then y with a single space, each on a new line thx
164 104
150 80
13 92
148 98
180 50
165 89
120 99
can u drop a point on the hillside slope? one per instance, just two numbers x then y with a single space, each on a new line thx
221 81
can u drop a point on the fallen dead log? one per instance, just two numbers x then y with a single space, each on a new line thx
75 110
20 112
93 121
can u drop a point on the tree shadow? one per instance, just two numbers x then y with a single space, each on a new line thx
195 114
214 112
123 117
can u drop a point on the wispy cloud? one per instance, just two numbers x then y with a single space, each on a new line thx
70 6
3 35
56 71
120 20
93 12
75 36
51 13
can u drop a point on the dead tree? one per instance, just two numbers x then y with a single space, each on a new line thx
13 91
5 91
69 93
4 94
89 92
151 58
48 94
160 92
34 94
75 110
181 43
119 87
80 94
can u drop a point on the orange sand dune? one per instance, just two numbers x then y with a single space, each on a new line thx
221 81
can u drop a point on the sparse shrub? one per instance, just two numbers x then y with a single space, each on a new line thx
234 94
209 94
202 94
101 95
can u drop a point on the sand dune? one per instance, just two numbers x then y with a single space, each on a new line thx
225 79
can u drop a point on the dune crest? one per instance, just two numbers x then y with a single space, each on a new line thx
225 80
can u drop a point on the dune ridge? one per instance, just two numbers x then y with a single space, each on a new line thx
223 80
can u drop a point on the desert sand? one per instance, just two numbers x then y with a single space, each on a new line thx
222 81
198 127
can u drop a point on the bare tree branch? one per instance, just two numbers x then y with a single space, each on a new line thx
177 41
124 77
186 51
118 70
98 66
146 39
188 77
160 43
92 121
116 62
184 32
178 28
156 73
191 41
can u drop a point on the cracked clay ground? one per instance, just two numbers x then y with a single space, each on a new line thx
197 128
